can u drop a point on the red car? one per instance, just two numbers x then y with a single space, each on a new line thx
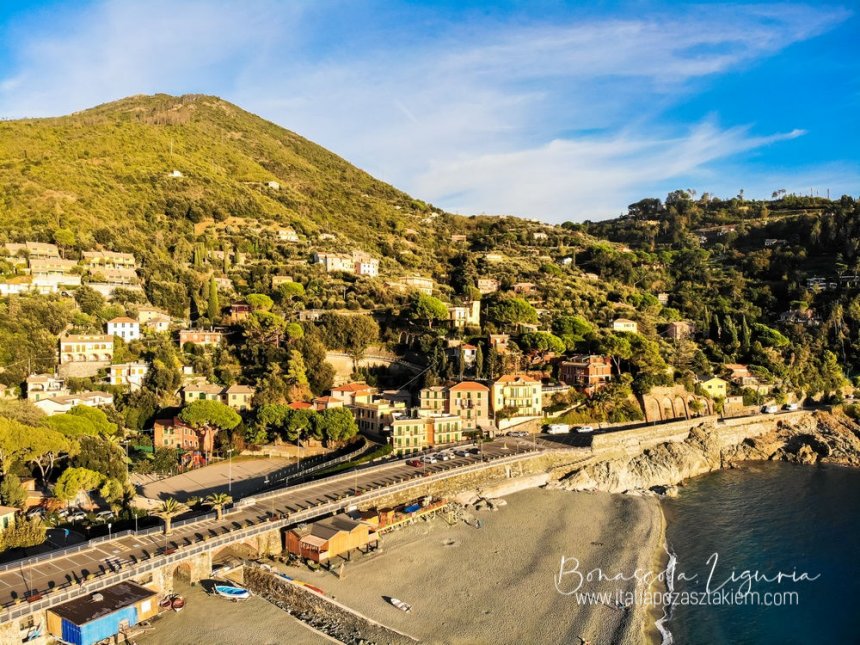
413 462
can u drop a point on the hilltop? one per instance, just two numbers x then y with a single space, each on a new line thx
112 167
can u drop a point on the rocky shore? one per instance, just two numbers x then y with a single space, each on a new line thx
821 437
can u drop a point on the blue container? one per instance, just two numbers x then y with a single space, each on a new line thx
100 628
412 508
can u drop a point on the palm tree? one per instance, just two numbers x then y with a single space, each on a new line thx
169 509
218 501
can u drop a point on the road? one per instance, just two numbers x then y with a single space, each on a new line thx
25 580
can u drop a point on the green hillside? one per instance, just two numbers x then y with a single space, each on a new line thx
110 168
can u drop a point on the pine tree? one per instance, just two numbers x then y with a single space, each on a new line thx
213 307
479 362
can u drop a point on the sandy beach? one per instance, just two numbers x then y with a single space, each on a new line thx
210 619
496 584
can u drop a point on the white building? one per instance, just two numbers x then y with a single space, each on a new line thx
126 328
45 386
131 374
367 266
62 404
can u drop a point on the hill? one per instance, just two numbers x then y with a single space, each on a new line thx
110 168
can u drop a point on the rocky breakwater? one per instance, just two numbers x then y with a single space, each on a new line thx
821 437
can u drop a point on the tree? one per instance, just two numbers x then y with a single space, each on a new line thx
505 311
48 447
542 341
11 491
89 300
296 377
259 301
335 424
14 443
169 509
73 481
209 414
213 309
23 534
218 501
101 455
424 307
164 460
479 362
96 417
617 347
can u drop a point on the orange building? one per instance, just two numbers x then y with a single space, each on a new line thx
586 372
324 540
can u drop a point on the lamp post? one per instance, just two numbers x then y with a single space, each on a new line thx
230 470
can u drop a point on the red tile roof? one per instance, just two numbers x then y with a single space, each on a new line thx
469 386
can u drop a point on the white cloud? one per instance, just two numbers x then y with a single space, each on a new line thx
482 118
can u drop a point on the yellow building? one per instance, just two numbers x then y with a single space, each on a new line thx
713 386
519 393
7 517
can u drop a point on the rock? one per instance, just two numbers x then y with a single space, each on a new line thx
820 437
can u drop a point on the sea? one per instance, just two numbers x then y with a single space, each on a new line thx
764 519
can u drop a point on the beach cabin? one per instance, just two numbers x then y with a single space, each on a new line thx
103 614
326 539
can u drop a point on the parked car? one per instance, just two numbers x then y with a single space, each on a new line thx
770 409
558 428
77 516
462 452
38 511
413 462
444 456
429 459
63 512
105 515
518 433
585 428
791 407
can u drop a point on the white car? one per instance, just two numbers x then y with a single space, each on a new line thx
791 407
79 516
429 459
585 429
558 428
770 409
462 453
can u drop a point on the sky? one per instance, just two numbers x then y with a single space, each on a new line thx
560 111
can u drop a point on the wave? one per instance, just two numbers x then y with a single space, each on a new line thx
660 624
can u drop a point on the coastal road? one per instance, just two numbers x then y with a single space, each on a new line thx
22 579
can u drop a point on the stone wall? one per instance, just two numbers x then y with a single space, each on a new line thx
321 613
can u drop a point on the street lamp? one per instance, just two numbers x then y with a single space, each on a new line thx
230 470
109 525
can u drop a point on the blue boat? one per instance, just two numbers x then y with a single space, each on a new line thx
231 592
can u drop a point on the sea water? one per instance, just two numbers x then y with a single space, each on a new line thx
762 520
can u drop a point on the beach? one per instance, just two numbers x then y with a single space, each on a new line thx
497 583
211 619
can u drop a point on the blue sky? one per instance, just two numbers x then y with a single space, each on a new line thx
552 110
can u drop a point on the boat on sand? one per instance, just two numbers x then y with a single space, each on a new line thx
232 592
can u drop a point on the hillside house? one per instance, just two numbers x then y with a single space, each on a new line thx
680 330
333 262
87 353
287 235
199 337
173 433
62 404
108 260
713 386
625 325
373 417
45 386
466 315
499 342
520 394
130 374
471 402
237 312
353 393
33 250
586 372
416 283
124 327
488 285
